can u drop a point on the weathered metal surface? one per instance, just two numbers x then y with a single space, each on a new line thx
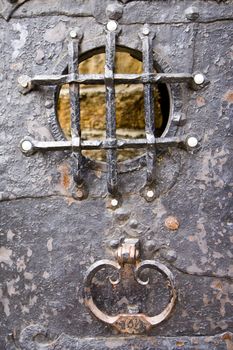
49 239
28 341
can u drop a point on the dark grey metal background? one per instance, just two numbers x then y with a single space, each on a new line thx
48 239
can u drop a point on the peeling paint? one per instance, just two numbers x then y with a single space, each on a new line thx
201 236
5 303
57 33
18 44
45 275
10 235
20 263
28 275
50 244
5 255
11 289
29 252
228 96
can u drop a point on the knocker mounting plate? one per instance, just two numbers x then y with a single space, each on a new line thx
133 322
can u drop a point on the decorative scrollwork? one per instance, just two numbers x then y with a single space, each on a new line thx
131 323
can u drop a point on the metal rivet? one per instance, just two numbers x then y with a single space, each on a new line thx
26 146
133 309
114 11
112 26
133 223
114 202
114 243
192 141
48 104
192 13
73 34
23 81
150 194
172 223
146 31
79 193
199 79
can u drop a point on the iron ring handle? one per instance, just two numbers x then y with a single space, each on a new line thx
129 323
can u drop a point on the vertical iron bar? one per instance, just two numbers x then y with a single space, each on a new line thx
147 51
110 52
73 50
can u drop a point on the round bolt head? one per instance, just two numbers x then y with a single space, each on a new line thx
114 243
26 146
133 223
23 81
172 223
192 13
199 79
79 193
114 202
73 34
48 104
192 141
150 194
112 26
114 11
146 31
133 309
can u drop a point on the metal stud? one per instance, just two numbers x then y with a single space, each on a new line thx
23 80
26 146
112 26
192 142
73 34
145 31
192 13
150 194
199 79
114 202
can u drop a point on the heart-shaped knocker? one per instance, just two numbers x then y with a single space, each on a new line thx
133 322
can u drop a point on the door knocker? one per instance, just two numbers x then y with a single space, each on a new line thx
133 322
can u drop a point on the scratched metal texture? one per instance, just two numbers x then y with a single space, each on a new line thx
49 239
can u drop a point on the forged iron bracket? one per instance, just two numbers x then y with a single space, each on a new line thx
134 322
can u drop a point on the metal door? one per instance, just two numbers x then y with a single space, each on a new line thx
116 255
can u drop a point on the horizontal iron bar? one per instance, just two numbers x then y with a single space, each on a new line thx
104 144
152 78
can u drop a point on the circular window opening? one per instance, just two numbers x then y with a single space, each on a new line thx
129 99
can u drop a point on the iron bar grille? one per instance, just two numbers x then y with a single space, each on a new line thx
111 144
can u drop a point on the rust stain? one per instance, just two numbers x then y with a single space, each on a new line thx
206 300
65 181
200 101
172 223
228 96
217 285
227 336
229 345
